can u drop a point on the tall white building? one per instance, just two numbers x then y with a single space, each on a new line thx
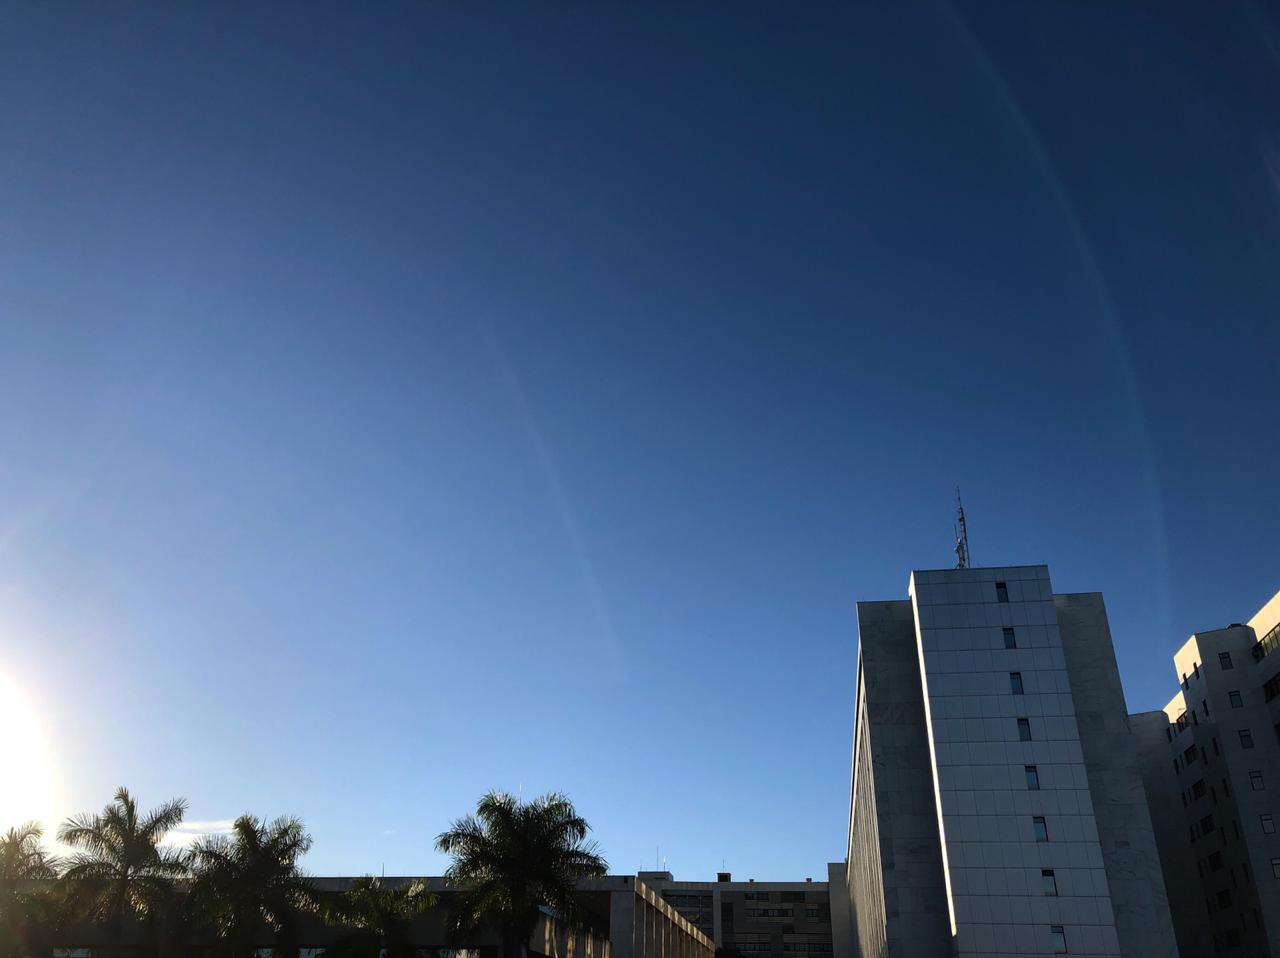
997 805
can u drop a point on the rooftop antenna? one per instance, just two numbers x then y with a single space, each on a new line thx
963 560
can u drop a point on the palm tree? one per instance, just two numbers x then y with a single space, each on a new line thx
249 883
26 908
122 871
23 857
513 859
378 917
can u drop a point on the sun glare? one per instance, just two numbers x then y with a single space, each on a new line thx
26 765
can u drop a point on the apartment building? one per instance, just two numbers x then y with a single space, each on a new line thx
1211 768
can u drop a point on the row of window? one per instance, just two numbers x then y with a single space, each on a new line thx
1190 754
1267 644
1198 788
1205 826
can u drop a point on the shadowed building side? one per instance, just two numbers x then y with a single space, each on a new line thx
1125 832
895 883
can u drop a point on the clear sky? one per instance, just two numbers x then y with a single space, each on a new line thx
398 402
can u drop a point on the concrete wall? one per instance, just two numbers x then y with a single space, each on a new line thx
1129 852
895 879
642 925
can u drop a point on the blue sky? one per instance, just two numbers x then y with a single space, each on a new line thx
448 397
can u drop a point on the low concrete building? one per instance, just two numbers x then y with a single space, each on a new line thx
1211 769
753 919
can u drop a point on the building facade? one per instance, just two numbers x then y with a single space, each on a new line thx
753 919
997 805
1211 767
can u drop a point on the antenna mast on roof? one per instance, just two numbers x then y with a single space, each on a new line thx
962 535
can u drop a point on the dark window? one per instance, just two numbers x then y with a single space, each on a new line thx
1041 828
1002 592
1189 755
1024 730
1271 688
1033 777
1015 682
1275 868
1237 702
1246 738
1206 825
1268 824
1010 640
1215 746
1215 862
1224 659
1049 882
1197 790
1255 781
1224 898
1059 939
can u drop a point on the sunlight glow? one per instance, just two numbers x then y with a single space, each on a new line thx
26 761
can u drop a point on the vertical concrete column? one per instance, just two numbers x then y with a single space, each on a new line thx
622 923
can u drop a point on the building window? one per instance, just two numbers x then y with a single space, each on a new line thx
1197 790
1215 862
1271 688
1041 829
1246 738
1015 682
1002 592
1033 777
1049 882
1024 730
1268 824
1255 781
1010 639
1224 660
1189 755
1206 825
1059 939
1237 701
1275 868
1224 898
